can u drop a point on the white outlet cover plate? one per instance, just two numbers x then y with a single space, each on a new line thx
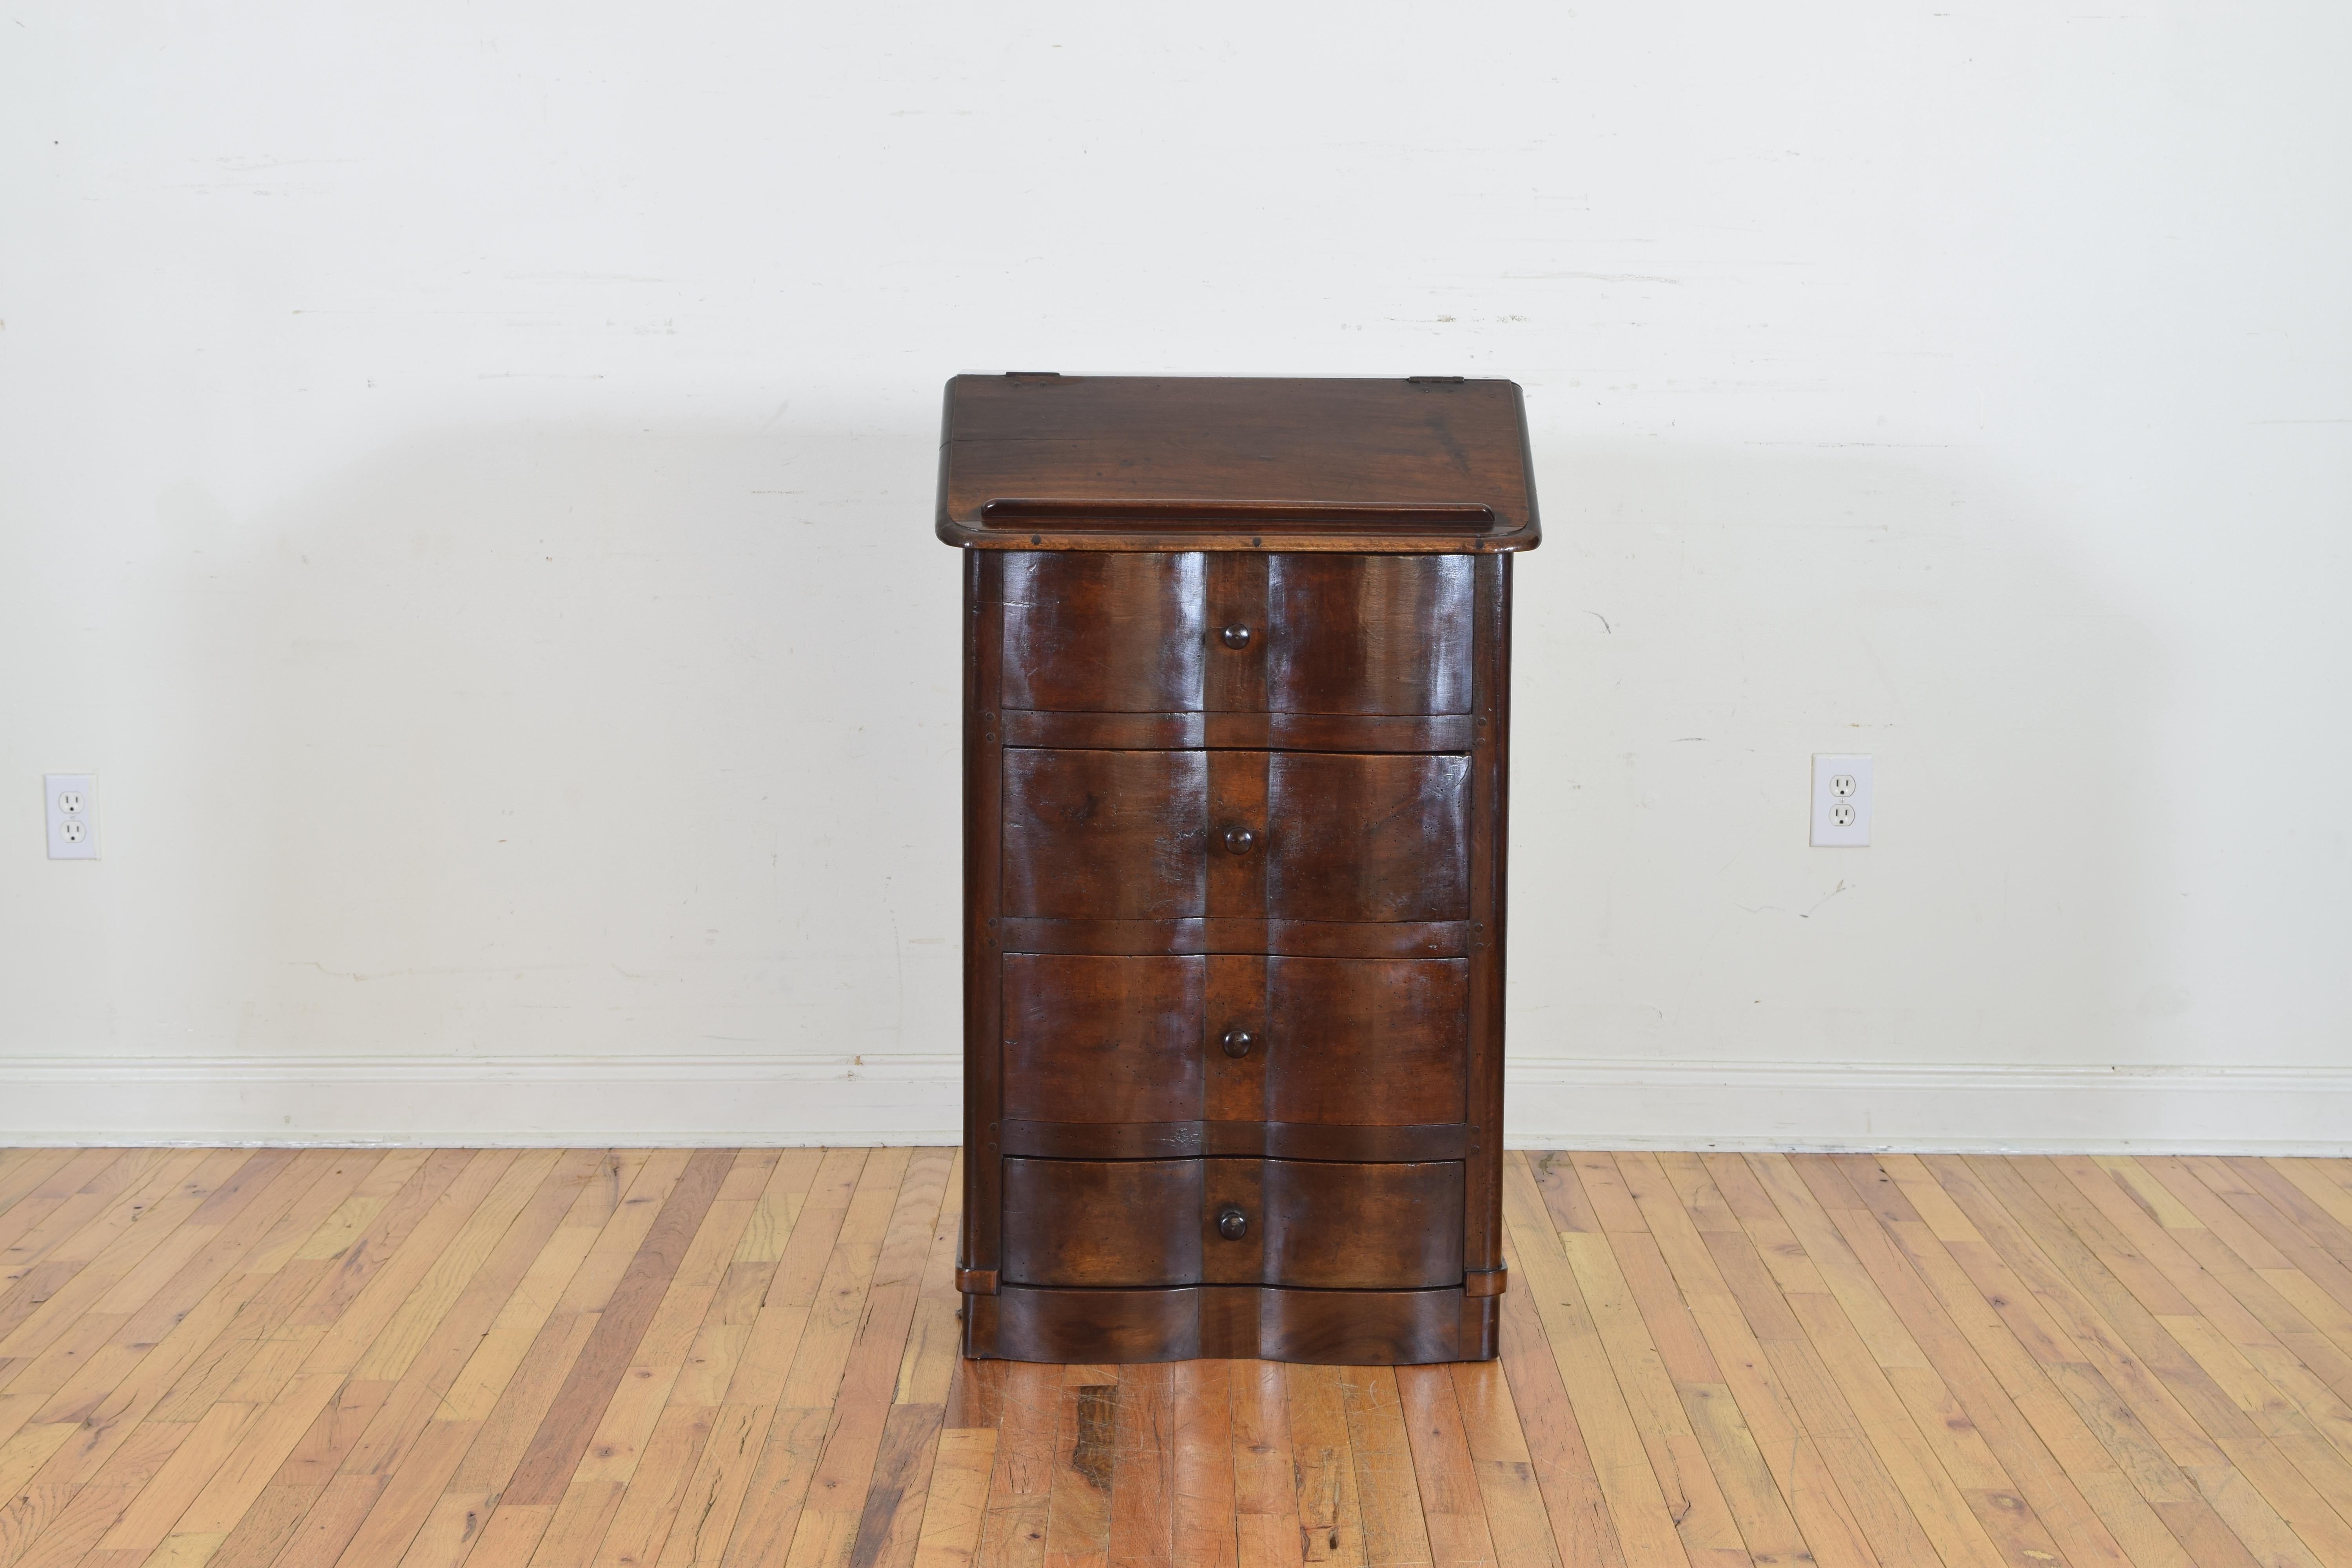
71 801
1841 779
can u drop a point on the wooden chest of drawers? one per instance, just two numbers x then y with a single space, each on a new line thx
1236 684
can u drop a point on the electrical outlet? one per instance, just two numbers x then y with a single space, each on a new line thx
73 816
1841 802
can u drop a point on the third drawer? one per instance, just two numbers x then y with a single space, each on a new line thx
1338 1041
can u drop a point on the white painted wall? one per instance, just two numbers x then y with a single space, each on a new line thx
466 476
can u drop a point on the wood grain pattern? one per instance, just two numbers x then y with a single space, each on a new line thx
1106 835
1183 743
1315 1224
324 1358
1160 463
1104 634
1368 633
1367 838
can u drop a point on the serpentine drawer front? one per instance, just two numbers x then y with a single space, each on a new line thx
1233 1222
1236 693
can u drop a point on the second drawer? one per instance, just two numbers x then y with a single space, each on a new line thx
1233 1222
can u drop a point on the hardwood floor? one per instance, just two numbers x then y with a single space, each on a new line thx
663 1358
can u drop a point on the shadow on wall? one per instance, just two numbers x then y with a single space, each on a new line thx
578 742
1703 620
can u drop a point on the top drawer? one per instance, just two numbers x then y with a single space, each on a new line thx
1188 633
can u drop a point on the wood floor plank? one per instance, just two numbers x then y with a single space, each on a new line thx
365 1498
890 1524
867 1375
2058 1426
776 1489
79 1268
1453 1507
1566 1476
23 1171
84 1191
277 1396
1266 1493
1682 1217
956 1498
2132 1405
1202 1484
1143 1469
2033 1193
1012 1531
1508 1492
929 1364
2051 1512
570 1421
493 1359
1858 1338
106 1400
1078 1511
74 1532
1330 1516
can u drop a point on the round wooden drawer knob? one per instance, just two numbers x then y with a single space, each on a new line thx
1240 840
1235 636
1237 1042
1233 1225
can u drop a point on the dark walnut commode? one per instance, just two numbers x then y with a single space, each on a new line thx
1236 712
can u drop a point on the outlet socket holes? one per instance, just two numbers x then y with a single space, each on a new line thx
1841 802
72 811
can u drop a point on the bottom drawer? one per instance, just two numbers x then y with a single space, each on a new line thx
1233 1222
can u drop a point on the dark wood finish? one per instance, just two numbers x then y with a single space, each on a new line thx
1325 636
1165 1042
1228 1221
1103 1222
1489 860
1368 838
1368 633
1101 1039
1103 633
1428 465
1106 835
1322 836
1272 1140
1233 678
1307 939
1337 1026
983 907
1235 708
1345 1328
1233 1080
1361 1227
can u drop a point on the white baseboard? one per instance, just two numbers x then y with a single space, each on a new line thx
1554 1103
668 1102
1566 1104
